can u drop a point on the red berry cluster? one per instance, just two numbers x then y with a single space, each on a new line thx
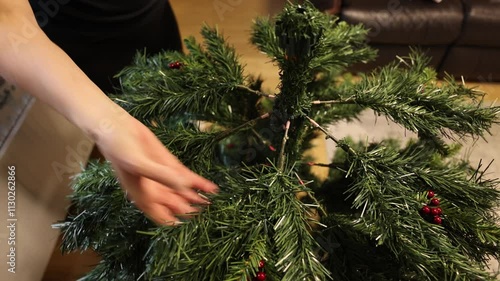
175 65
261 275
432 212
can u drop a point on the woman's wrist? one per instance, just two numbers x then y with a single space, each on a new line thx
100 121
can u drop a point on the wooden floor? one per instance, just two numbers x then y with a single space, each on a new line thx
235 21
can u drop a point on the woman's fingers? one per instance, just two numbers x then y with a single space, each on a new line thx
157 201
161 215
200 183
162 174
179 178
167 197
163 157
193 197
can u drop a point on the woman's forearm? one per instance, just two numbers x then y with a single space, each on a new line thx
31 61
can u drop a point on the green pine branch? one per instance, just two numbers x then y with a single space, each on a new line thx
294 243
388 189
406 92
340 45
370 224
264 38
238 230
105 221
208 81
190 145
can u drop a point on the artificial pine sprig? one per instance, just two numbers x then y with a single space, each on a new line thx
210 81
383 181
294 244
407 93
183 140
245 221
369 226
332 54
103 217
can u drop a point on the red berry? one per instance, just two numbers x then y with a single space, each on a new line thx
435 211
261 276
430 194
425 210
435 202
272 148
439 211
175 65
437 220
262 263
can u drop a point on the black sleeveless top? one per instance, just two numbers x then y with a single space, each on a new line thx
102 36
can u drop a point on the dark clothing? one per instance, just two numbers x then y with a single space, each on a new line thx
102 36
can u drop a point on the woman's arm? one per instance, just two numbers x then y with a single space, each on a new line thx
154 179
29 59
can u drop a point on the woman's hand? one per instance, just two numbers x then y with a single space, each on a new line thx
154 179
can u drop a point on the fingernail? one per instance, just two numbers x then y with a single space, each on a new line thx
203 196
215 191
170 223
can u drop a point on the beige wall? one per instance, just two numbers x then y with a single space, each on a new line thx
45 151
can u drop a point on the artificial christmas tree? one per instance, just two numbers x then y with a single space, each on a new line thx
388 211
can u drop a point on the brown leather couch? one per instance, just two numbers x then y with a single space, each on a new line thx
461 36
